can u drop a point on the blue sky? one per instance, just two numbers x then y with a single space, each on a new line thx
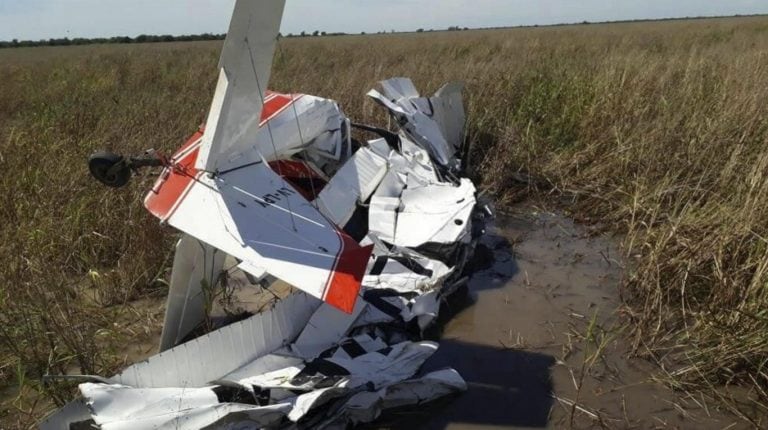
42 19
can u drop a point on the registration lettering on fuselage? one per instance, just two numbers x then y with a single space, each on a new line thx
273 198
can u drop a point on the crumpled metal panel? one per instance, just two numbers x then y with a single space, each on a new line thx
207 358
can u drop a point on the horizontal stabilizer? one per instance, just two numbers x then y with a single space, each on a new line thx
254 215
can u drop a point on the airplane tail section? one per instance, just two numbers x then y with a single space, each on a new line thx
220 190
244 70
256 216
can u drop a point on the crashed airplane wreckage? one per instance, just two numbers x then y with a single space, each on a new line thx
372 236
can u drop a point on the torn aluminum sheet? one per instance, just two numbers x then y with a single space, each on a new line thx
435 123
434 213
117 407
372 235
365 407
286 390
194 267
352 184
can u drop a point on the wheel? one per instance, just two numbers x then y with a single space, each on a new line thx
109 169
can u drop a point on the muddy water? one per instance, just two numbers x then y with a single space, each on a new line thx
521 336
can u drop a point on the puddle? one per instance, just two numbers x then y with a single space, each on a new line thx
519 339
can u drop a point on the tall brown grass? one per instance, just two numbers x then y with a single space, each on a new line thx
655 130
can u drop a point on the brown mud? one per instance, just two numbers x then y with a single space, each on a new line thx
540 343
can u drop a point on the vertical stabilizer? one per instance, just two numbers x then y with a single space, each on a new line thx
244 70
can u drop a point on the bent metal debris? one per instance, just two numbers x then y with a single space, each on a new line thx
372 235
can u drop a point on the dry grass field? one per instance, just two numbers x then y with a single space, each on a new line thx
658 131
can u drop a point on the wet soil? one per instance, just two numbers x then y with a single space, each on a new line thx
540 343
239 300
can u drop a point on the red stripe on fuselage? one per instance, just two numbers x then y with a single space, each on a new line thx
175 181
275 105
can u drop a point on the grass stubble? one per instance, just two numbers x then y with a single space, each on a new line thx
657 131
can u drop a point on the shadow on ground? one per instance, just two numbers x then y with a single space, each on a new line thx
506 387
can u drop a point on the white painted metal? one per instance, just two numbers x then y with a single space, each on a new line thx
118 407
210 357
352 184
244 70
196 268
367 406
436 213
255 216
324 330
434 123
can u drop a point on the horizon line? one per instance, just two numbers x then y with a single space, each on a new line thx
379 32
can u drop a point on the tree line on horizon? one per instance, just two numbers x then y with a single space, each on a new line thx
145 38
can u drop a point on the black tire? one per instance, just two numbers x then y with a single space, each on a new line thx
101 166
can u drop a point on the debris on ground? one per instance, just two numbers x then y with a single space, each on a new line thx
373 236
